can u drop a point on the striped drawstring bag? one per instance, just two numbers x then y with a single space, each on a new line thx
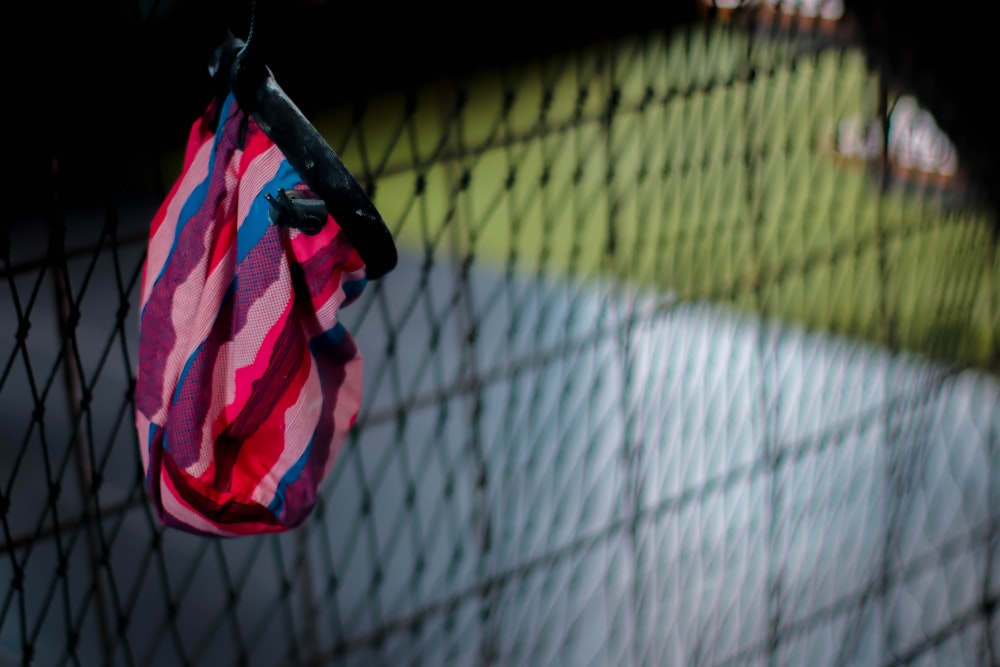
247 383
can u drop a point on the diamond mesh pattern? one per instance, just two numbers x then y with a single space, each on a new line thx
660 378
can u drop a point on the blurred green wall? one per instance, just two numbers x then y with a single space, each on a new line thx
700 161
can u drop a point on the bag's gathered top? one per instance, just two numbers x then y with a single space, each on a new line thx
247 382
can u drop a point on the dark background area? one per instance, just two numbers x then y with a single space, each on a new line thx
107 86
944 54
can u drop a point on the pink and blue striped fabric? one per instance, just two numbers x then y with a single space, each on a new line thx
247 382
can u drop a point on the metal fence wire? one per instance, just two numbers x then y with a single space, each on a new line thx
690 358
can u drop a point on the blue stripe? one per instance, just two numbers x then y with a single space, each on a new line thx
354 287
278 502
258 220
328 339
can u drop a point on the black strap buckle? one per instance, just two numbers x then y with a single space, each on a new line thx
293 209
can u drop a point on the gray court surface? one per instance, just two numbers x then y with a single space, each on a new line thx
543 472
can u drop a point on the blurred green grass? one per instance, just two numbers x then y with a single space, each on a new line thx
696 161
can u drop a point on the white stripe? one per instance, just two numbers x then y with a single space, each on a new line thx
326 314
259 173
162 241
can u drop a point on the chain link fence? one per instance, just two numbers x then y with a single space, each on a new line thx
690 358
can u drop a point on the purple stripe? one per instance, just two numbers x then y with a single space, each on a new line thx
159 337
256 274
300 495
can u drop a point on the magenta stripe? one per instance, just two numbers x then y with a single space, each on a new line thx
318 270
231 511
267 392
283 365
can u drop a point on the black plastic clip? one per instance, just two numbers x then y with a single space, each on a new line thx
257 92
293 209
